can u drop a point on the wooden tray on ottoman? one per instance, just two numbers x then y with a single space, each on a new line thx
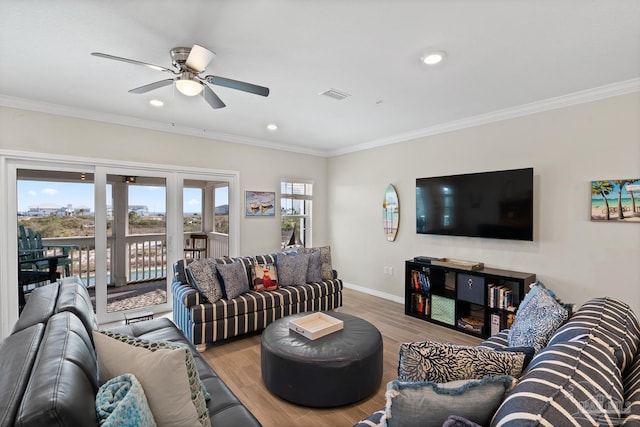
316 325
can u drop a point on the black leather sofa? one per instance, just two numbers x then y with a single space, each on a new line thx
48 365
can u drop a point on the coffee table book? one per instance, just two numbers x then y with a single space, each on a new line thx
316 325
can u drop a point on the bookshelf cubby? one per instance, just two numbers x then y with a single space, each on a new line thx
477 302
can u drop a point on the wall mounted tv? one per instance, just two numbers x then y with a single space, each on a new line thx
496 205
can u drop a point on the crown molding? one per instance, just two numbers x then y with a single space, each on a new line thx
589 95
62 110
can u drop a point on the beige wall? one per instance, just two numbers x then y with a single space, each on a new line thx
568 148
260 169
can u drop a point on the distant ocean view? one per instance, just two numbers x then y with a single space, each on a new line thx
598 202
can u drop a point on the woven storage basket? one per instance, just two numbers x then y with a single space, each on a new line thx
443 309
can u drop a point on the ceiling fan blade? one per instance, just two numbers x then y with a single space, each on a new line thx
212 98
152 86
236 84
199 58
133 61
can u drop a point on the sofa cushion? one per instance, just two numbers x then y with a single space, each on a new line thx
74 298
569 383
42 304
17 355
63 382
440 362
610 320
537 321
429 404
234 279
253 302
292 269
167 372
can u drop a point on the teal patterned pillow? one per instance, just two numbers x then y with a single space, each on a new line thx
537 321
429 404
235 279
292 269
121 402
167 372
441 363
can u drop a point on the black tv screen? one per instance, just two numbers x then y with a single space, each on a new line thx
496 205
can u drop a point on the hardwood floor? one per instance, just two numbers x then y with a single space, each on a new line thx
238 364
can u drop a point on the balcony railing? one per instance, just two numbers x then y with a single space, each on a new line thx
146 260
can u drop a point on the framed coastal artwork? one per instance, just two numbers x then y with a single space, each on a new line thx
260 203
616 200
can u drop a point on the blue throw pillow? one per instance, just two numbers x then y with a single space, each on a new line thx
429 404
537 321
235 279
292 269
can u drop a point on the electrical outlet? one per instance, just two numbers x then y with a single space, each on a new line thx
385 270
390 270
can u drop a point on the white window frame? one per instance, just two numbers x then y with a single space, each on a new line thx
307 237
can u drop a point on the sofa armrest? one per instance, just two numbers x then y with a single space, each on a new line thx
186 294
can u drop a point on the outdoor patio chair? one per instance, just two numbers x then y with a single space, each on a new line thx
30 246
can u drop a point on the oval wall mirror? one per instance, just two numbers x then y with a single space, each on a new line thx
391 213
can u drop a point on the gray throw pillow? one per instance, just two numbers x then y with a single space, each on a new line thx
325 260
235 279
314 272
292 269
428 404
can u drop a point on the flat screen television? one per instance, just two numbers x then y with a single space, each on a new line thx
497 205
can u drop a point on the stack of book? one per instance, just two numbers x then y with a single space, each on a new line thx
500 297
421 281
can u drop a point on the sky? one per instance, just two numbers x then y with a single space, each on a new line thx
80 195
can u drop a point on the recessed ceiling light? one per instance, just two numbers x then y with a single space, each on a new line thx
272 126
434 57
156 103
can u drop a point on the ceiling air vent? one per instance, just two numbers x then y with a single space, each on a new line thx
335 94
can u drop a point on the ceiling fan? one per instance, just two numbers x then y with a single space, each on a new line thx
189 63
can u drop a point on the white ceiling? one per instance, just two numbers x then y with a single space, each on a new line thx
505 57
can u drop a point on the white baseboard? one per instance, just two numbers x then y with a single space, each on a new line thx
390 297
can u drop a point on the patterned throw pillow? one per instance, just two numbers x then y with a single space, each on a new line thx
265 275
235 279
202 275
292 269
166 371
325 260
441 363
537 321
429 404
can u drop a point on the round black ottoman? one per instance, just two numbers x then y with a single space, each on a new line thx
337 369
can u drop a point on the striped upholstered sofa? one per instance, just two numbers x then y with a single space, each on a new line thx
588 374
204 322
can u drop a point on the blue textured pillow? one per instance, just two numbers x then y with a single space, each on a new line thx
429 404
235 279
292 269
314 272
121 402
537 321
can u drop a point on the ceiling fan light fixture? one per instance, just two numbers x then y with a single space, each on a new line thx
272 127
434 57
188 85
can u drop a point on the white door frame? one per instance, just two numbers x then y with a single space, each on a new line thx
11 161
